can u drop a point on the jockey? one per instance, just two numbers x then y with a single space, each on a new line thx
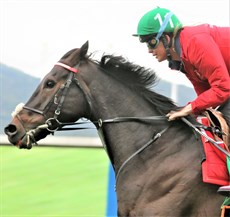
201 52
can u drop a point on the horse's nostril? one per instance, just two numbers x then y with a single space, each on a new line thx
11 130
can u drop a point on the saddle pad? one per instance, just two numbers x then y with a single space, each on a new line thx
214 168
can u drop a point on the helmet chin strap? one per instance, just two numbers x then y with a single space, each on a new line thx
173 64
167 47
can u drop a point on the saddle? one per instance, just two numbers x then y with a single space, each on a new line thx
214 165
218 123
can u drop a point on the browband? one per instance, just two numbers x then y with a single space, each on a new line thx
67 67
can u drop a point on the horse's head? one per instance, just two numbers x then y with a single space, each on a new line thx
60 97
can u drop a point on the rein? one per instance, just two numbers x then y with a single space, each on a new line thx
215 143
52 124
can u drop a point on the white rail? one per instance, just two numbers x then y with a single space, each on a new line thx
63 141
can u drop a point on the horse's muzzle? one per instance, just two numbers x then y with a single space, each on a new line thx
24 140
10 130
15 137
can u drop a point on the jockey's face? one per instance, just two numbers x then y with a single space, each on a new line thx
159 52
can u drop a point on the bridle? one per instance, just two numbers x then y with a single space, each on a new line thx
64 88
53 124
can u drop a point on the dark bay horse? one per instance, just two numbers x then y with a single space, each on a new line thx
157 163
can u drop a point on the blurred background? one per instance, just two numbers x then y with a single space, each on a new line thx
50 180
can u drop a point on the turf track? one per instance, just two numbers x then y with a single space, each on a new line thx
53 182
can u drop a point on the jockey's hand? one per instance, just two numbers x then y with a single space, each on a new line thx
172 115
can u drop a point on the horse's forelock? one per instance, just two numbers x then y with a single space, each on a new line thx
73 56
68 53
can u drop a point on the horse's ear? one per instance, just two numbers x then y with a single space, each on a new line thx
84 49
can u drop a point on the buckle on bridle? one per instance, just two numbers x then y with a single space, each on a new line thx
53 124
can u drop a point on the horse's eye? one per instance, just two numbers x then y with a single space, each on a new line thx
50 84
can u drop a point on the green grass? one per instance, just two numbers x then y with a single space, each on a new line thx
53 182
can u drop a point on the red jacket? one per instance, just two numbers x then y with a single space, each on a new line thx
205 52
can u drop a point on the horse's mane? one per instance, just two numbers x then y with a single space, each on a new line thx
137 78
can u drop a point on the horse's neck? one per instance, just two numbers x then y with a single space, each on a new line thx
111 100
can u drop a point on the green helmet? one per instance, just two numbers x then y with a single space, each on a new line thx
158 19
